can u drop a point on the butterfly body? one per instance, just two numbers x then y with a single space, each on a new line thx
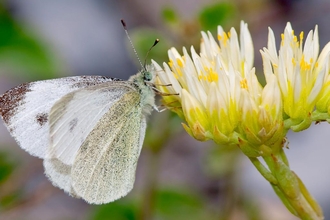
89 130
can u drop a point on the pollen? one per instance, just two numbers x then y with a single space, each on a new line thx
179 62
170 63
282 37
213 76
202 77
295 39
225 39
179 72
304 65
244 84
301 37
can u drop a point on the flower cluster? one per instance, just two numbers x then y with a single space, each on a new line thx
300 72
220 97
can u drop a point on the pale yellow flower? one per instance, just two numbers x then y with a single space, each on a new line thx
323 102
300 72
262 122
219 94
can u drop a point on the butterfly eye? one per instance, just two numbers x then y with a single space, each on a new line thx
147 76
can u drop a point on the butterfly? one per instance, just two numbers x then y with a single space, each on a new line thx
88 130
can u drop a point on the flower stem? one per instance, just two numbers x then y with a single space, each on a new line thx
288 186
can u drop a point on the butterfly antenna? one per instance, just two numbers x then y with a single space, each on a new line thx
136 54
129 39
145 60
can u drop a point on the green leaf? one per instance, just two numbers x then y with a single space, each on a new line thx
6 167
10 199
143 38
179 204
120 210
212 16
169 15
22 53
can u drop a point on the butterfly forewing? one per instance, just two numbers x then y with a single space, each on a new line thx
74 116
25 109
60 174
104 168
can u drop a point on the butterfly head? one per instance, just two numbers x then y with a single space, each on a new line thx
148 74
145 77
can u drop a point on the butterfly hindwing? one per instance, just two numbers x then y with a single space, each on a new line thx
104 168
25 109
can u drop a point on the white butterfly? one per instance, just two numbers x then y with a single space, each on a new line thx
88 129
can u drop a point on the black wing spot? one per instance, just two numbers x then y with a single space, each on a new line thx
42 118
73 123
11 100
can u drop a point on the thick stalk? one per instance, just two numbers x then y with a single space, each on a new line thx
289 187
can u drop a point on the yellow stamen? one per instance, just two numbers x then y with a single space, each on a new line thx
244 84
316 64
170 63
179 62
179 72
305 65
213 76
301 36
225 39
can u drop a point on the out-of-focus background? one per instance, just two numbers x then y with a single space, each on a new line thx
177 177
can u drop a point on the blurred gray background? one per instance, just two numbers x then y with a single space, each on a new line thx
88 39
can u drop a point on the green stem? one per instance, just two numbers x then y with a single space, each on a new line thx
263 170
291 190
288 187
320 116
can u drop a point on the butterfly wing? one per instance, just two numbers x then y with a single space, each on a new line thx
104 168
25 109
90 126
60 175
74 116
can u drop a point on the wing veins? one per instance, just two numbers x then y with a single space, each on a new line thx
106 88
105 149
